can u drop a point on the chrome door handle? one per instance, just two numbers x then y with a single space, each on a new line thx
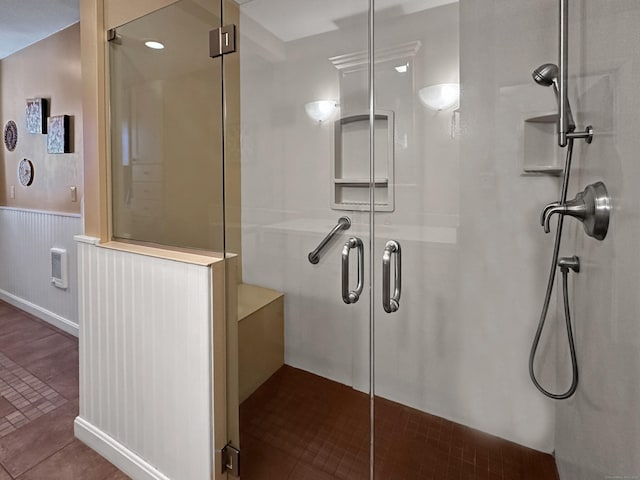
391 304
353 295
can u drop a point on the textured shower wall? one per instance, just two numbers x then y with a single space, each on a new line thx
285 193
598 430
504 254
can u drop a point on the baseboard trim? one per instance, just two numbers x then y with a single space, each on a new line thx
123 458
43 314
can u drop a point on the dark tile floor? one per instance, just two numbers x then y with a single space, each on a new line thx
300 426
38 403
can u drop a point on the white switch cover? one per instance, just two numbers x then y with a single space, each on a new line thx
12 191
74 194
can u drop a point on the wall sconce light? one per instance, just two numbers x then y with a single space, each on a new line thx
320 110
441 96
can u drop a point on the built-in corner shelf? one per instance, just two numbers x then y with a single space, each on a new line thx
350 166
541 155
379 182
547 118
541 170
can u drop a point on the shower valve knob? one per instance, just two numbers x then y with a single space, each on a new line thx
591 206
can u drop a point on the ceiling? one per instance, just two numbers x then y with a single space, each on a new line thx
291 20
24 22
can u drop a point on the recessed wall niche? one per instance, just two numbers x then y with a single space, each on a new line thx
350 167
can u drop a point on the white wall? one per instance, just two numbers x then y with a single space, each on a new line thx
146 363
474 256
504 254
598 430
33 219
26 236
285 193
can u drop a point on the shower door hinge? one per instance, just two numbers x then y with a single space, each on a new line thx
222 40
113 37
231 460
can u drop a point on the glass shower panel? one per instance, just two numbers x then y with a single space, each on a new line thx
417 46
453 395
304 164
166 119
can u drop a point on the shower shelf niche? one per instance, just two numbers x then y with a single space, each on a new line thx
379 182
540 146
350 165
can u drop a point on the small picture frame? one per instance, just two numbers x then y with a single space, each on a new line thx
37 113
59 136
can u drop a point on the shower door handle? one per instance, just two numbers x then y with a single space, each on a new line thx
352 296
391 303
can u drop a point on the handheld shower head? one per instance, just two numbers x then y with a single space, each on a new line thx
547 76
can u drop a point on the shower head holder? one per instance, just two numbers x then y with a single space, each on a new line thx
592 207
547 76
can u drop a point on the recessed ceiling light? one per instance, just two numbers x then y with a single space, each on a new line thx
155 45
402 68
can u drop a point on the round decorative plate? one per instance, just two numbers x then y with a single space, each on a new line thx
25 172
10 135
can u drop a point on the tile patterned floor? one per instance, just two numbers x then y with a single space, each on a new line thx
38 403
29 396
299 426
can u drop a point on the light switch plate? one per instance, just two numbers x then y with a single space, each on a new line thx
12 191
74 194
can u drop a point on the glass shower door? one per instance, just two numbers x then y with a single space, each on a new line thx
416 242
299 175
461 259
464 160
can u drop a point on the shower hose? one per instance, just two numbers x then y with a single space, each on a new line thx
565 295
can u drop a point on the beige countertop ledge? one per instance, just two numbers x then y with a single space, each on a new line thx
193 257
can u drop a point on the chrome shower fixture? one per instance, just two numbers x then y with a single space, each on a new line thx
547 76
591 206
569 263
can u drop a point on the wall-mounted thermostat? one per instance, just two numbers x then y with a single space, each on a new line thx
59 267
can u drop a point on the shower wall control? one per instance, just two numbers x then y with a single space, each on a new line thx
569 263
591 206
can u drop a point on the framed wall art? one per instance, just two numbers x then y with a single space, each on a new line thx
10 135
37 113
59 134
25 172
